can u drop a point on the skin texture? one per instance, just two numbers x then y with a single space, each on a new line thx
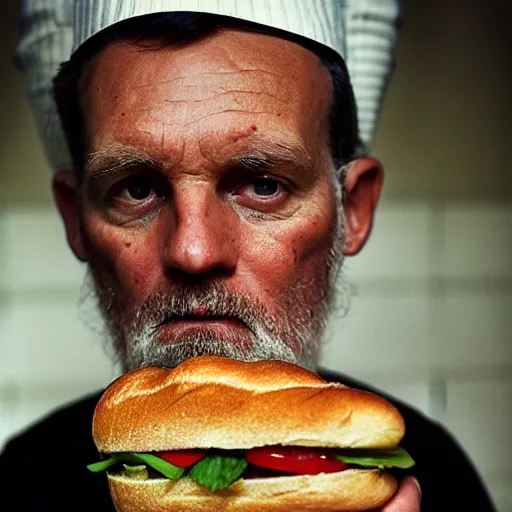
183 117
186 116
407 499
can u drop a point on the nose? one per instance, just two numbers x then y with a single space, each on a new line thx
204 236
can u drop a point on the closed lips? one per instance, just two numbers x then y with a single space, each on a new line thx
201 318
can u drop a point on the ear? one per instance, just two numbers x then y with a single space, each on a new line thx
362 187
65 194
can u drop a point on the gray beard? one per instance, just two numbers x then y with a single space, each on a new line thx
293 334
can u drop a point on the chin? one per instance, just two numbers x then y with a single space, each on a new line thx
169 354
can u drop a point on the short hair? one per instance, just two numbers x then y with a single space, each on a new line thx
182 28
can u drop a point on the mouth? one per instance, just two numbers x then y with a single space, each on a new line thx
178 326
204 320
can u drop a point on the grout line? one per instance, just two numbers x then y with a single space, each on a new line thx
465 199
435 295
437 287
39 389
408 198
476 198
5 297
23 206
499 475
437 398
473 373
11 391
454 374
43 294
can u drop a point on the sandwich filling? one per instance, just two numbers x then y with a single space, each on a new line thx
218 469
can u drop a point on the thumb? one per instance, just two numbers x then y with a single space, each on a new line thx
407 499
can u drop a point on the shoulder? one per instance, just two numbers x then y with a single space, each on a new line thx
55 449
448 478
66 426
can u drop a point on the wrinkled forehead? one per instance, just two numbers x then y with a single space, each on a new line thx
249 48
239 71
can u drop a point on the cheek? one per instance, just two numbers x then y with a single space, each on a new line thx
129 255
290 252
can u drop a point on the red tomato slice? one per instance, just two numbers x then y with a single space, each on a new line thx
301 461
182 458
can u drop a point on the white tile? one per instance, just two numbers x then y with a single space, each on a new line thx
478 241
397 247
34 252
4 433
5 429
500 488
414 392
9 393
50 344
475 329
34 404
28 413
380 335
4 346
8 410
24 413
9 352
480 416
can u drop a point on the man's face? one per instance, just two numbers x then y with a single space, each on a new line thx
208 209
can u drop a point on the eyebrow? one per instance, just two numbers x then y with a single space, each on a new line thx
115 157
263 153
266 153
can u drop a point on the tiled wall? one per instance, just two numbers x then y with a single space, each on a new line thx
429 322
47 355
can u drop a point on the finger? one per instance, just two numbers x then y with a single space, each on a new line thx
408 498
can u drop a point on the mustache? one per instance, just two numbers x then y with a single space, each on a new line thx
212 300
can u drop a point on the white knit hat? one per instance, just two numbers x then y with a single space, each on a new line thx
363 32
46 39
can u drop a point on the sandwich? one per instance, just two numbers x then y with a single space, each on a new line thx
219 434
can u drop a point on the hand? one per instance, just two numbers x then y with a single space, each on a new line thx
407 499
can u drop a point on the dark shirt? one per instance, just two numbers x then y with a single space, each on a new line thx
44 468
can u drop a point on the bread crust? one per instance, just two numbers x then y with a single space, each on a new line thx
347 491
214 402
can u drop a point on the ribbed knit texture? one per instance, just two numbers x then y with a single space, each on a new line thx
46 41
320 20
370 38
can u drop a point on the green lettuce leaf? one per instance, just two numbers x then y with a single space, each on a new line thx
104 464
398 458
139 472
139 467
162 466
218 471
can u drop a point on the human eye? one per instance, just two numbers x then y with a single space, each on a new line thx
264 188
136 196
137 190
261 192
